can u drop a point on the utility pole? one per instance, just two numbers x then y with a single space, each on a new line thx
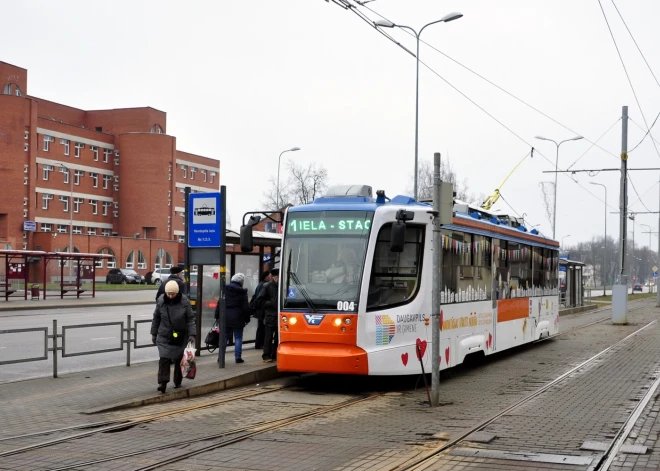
437 286
657 288
620 290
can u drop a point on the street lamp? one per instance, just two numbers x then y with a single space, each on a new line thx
388 24
68 170
605 243
554 207
293 149
562 240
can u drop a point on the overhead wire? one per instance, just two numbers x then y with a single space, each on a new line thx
645 193
499 87
635 189
647 133
593 144
501 123
618 51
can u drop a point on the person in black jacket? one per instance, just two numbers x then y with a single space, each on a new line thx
237 314
175 275
268 299
259 313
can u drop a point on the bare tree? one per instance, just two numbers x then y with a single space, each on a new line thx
447 174
300 185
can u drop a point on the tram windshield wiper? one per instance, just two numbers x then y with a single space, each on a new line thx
296 282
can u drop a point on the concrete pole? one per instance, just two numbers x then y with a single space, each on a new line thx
620 290
437 286
657 288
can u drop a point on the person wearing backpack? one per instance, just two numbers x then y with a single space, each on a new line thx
237 314
258 311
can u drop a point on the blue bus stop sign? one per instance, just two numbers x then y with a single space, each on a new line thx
204 220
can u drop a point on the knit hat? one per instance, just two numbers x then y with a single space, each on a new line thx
238 278
172 287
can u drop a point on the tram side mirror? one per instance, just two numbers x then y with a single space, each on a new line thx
247 245
398 236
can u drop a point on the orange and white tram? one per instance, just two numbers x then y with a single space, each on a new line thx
350 305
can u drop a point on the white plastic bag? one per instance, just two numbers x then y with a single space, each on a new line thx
188 367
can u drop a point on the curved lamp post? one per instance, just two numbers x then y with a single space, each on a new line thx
279 159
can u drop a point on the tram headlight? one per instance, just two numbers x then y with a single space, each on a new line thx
347 321
293 320
336 321
284 319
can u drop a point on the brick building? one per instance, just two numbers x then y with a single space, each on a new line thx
113 177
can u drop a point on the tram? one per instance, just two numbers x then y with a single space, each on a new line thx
351 303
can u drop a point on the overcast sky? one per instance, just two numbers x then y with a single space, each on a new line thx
242 81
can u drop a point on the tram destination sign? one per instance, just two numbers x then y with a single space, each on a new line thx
323 224
204 219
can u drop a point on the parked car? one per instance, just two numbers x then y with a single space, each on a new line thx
637 287
123 276
159 275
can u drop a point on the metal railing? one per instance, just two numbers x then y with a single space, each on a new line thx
128 337
125 339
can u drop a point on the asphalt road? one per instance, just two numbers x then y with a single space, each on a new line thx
78 340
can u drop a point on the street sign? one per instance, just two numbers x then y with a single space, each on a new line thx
29 226
204 219
654 268
655 274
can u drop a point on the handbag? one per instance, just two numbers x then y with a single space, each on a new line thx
175 337
188 367
213 337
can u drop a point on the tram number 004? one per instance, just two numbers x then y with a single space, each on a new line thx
345 306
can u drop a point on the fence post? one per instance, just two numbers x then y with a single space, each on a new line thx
54 349
128 340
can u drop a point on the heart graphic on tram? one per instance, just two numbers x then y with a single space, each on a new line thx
490 341
420 348
447 355
404 359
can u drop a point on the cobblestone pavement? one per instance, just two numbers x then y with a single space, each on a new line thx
397 426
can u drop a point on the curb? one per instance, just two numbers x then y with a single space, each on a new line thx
7 310
579 309
251 377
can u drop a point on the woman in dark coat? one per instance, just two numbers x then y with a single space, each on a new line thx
237 313
172 327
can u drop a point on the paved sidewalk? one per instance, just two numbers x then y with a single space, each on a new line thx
47 403
53 301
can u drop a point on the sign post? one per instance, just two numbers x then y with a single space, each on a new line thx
205 228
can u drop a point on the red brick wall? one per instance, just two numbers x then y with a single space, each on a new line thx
50 111
143 183
14 75
126 120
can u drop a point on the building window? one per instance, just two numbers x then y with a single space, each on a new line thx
116 204
106 155
46 170
66 143
47 141
106 233
45 227
76 204
91 231
77 229
62 228
25 213
106 205
7 89
26 168
25 181
65 200
95 179
76 176
24 235
25 201
182 239
106 180
65 173
95 206
99 262
203 172
45 198
18 91
27 135
130 259
79 147
184 169
156 129
96 152
142 261
116 187
192 172
26 147
115 214
212 176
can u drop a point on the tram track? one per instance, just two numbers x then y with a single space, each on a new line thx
245 433
604 462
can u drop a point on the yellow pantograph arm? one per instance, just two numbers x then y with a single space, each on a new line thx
492 199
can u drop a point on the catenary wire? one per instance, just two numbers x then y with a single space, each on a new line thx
593 144
647 133
645 193
498 121
618 51
635 189
499 87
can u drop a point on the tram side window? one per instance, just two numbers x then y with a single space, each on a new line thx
395 276
520 262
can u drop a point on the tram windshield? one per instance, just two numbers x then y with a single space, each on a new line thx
323 259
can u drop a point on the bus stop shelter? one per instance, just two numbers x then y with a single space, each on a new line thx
573 293
22 269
